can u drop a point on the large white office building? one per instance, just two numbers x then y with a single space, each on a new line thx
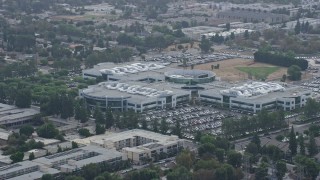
141 86
255 96
144 86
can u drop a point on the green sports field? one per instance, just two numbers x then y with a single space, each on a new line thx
258 72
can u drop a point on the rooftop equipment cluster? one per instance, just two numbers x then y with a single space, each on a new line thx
131 69
135 89
253 89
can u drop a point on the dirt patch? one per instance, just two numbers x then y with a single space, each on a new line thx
228 71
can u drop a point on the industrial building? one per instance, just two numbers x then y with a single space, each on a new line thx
26 170
73 160
137 144
14 116
255 96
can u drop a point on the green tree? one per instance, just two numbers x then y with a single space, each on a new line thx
232 36
262 172
17 157
284 78
294 72
47 177
26 130
23 98
252 148
31 156
100 129
68 108
155 125
74 145
186 159
209 164
90 171
206 149
80 112
47 130
98 116
144 174
177 129
74 178
301 144
311 108
59 149
84 132
220 154
297 28
225 172
312 146
310 166
234 158
99 178
164 126
205 45
293 142
144 124
228 26
281 168
109 118
180 173
256 140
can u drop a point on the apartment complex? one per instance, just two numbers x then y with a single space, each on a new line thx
25 170
137 144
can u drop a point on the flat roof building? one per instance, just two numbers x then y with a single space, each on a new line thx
196 32
237 31
138 144
253 16
75 159
126 71
137 96
141 87
14 116
25 170
255 96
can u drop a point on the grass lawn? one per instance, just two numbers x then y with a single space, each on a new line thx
258 72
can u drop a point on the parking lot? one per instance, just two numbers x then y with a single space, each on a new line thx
192 119
194 59
313 84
